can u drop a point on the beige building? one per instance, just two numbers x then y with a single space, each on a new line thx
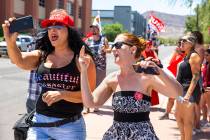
80 10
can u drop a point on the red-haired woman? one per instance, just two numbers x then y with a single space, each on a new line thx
130 90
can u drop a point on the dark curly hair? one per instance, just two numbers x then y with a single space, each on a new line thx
74 40
199 36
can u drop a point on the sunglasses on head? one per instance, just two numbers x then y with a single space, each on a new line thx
118 45
56 25
183 41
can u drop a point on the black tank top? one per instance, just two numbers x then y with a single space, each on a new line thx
184 77
54 79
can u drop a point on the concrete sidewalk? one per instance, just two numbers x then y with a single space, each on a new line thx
98 123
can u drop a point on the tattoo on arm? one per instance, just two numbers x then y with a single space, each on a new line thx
195 77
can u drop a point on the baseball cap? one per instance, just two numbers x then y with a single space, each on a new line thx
59 17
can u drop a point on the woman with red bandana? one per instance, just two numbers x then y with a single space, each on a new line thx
58 109
148 53
130 90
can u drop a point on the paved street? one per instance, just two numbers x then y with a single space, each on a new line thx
13 85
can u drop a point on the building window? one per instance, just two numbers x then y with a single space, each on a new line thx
132 17
59 4
80 12
69 7
42 3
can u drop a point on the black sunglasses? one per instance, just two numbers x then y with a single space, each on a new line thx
118 45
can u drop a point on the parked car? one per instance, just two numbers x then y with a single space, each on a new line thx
22 42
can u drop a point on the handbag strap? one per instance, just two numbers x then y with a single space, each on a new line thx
29 118
50 124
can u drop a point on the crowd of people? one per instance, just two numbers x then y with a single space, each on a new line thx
189 65
68 76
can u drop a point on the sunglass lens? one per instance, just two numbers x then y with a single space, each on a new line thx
184 40
55 27
117 45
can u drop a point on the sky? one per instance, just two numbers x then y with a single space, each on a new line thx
146 5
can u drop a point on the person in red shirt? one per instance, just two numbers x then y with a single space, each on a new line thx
177 56
148 53
206 85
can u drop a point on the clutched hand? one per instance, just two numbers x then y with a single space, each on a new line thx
147 67
9 37
84 59
106 49
51 97
186 98
157 61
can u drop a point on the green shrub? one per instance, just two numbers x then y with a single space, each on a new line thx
168 41
112 30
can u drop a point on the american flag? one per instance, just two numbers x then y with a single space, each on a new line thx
156 23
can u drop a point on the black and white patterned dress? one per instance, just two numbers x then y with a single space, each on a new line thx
131 117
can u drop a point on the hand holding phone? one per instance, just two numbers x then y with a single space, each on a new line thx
148 70
21 24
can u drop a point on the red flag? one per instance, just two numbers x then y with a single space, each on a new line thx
89 34
174 61
157 23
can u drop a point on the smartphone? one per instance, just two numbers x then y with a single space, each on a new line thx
148 70
151 70
21 24
137 68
